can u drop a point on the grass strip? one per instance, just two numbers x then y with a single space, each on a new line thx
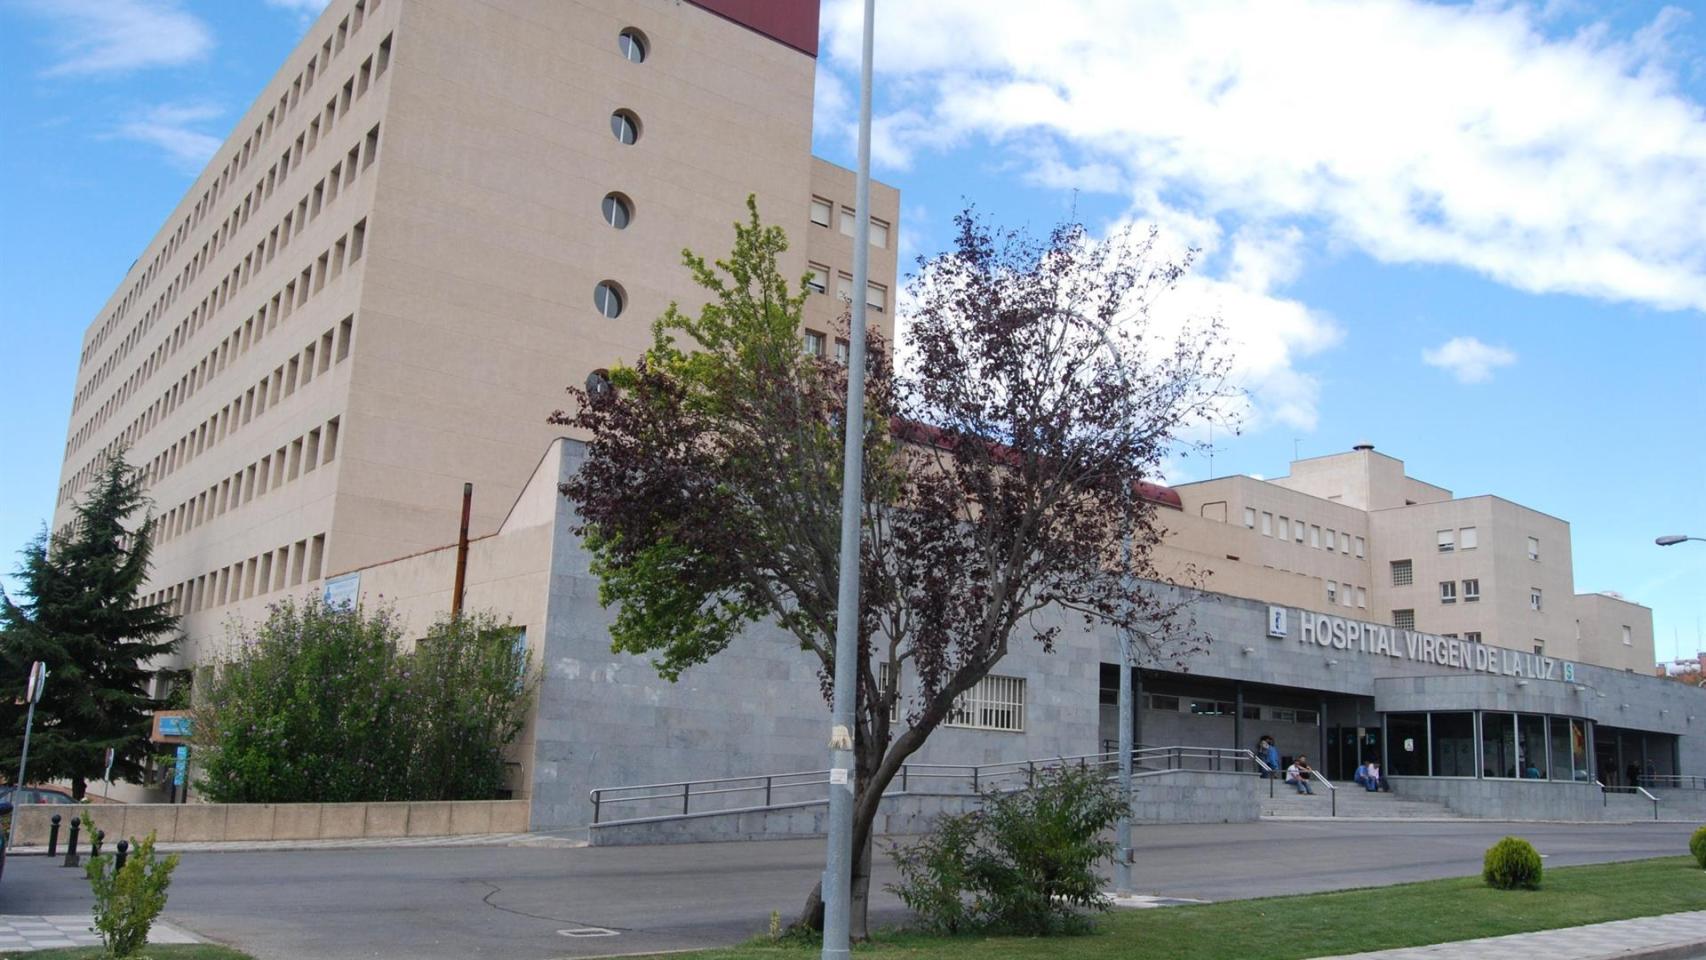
1317 925
164 951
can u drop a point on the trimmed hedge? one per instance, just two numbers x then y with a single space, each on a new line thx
1512 864
1697 846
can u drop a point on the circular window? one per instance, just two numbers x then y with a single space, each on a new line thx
618 210
632 43
609 299
625 126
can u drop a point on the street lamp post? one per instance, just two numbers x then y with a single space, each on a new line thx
1676 538
837 884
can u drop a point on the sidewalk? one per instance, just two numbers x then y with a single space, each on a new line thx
19 934
1673 936
363 843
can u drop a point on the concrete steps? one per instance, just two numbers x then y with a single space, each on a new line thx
1354 801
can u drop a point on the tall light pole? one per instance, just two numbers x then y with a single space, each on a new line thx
1122 827
1675 539
838 870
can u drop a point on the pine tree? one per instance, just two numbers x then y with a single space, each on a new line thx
77 610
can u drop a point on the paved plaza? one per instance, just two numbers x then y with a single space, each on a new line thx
1671 937
19 934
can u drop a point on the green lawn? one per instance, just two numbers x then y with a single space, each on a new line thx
1315 925
176 951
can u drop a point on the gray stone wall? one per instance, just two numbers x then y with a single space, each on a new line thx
607 720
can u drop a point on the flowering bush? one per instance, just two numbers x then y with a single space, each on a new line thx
320 704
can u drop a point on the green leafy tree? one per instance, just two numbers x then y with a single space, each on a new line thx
129 899
77 609
1002 473
320 704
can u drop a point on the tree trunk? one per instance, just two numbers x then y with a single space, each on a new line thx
859 926
811 918
79 787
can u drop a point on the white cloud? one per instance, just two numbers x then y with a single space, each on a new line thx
173 128
118 36
310 7
1464 135
1468 359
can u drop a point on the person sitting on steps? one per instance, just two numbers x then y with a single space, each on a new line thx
1298 775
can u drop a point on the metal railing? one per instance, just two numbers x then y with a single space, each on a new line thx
1605 793
769 789
1665 781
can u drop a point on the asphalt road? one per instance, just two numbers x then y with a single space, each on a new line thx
440 903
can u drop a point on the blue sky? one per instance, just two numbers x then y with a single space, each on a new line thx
1472 234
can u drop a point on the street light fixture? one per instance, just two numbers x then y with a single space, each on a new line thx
1676 538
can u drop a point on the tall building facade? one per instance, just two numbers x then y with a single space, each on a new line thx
437 215
1352 534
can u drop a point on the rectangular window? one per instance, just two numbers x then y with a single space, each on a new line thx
1163 703
1308 717
1213 708
843 351
1362 548
1402 574
332 426
1344 542
1471 590
1453 744
1362 598
1284 528
1447 541
1332 591
1473 636
1314 535
1250 517
879 233
996 703
1407 744
814 343
876 297
1297 530
1498 745
820 212
1534 598
1466 538
1267 524
1539 646
1533 548
1330 538
847 221
1448 591
1404 619
1628 637
817 277
844 286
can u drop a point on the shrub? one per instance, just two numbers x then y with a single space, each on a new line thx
1510 864
128 900
321 705
1697 846
1023 864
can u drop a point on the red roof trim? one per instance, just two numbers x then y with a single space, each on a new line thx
792 23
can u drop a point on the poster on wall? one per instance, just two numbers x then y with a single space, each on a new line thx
342 591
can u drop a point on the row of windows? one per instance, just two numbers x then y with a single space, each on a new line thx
822 209
300 457
323 195
1471 590
1284 528
331 263
817 280
609 297
346 251
1167 703
289 566
354 88
317 358
1350 596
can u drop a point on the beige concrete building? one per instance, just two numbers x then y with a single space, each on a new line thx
1352 535
437 215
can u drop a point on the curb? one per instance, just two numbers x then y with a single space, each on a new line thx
1678 950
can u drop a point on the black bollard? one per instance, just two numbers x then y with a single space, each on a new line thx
53 836
71 844
123 851
95 847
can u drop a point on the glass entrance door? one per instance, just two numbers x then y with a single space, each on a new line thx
1347 748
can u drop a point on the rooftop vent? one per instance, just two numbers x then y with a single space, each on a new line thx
1365 445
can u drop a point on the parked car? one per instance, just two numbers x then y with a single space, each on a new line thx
35 795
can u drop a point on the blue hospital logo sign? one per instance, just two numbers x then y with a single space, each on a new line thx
1276 622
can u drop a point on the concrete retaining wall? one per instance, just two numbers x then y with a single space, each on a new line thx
1164 796
1546 800
216 822
1196 796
